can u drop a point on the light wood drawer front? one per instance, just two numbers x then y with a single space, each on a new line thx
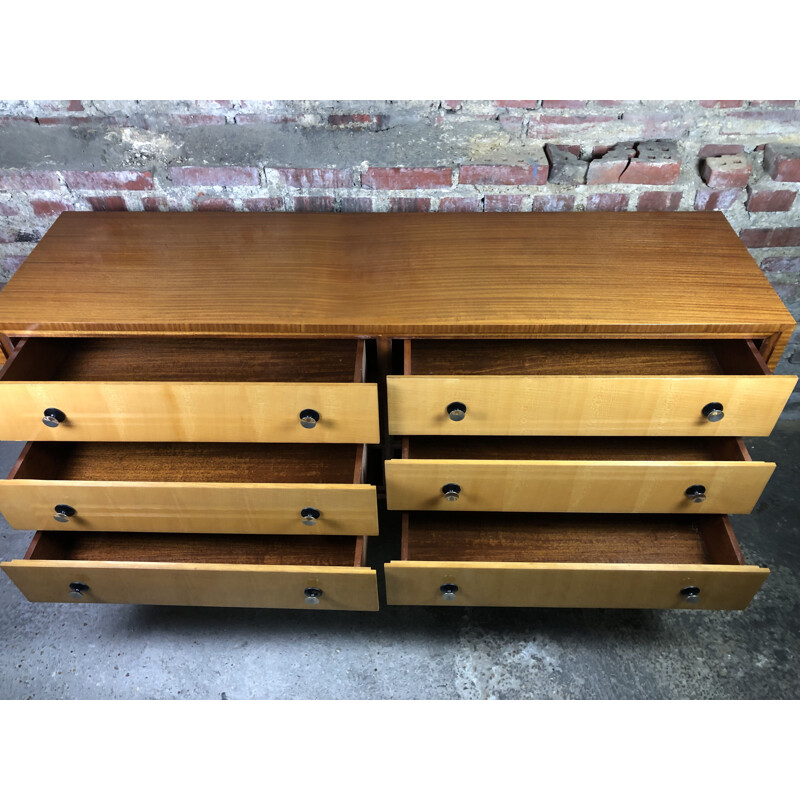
572 585
190 412
190 507
593 486
344 588
586 406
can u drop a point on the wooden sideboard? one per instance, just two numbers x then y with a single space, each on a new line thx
209 402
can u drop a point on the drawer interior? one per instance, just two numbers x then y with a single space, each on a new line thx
319 551
191 462
582 357
569 538
579 448
186 359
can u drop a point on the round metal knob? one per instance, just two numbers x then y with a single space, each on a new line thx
451 491
53 417
313 595
448 591
310 515
456 411
63 513
691 594
76 590
713 412
309 418
696 493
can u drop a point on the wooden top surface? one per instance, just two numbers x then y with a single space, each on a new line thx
391 274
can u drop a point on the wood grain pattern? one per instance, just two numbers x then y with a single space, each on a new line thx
659 274
186 411
641 486
572 585
586 405
191 507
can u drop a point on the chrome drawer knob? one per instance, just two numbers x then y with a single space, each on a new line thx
53 417
691 594
310 515
63 512
313 595
448 591
77 589
713 412
696 493
451 491
309 418
456 411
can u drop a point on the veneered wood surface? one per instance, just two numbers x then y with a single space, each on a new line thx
643 274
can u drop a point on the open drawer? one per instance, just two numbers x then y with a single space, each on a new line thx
208 570
191 488
578 561
188 390
588 474
585 387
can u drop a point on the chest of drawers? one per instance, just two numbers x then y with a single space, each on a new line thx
207 401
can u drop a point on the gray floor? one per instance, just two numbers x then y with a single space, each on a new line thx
71 651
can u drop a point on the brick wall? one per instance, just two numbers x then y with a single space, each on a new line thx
440 156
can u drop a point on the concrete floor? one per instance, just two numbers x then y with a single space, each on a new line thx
83 651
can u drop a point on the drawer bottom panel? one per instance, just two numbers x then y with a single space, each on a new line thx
322 573
581 561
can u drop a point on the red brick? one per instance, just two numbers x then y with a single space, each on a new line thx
721 103
710 150
563 103
410 204
781 264
610 166
23 180
503 175
609 103
104 181
769 199
114 203
659 201
214 176
726 172
355 205
213 204
553 202
7 211
661 173
658 125
516 103
454 204
313 178
155 204
452 105
50 208
716 199
322 203
770 237
782 162
66 120
407 178
503 202
607 202
263 203
375 122
75 105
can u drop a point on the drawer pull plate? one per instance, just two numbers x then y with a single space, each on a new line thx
691 594
456 411
77 589
713 412
448 591
63 512
310 515
53 417
309 418
696 493
313 595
